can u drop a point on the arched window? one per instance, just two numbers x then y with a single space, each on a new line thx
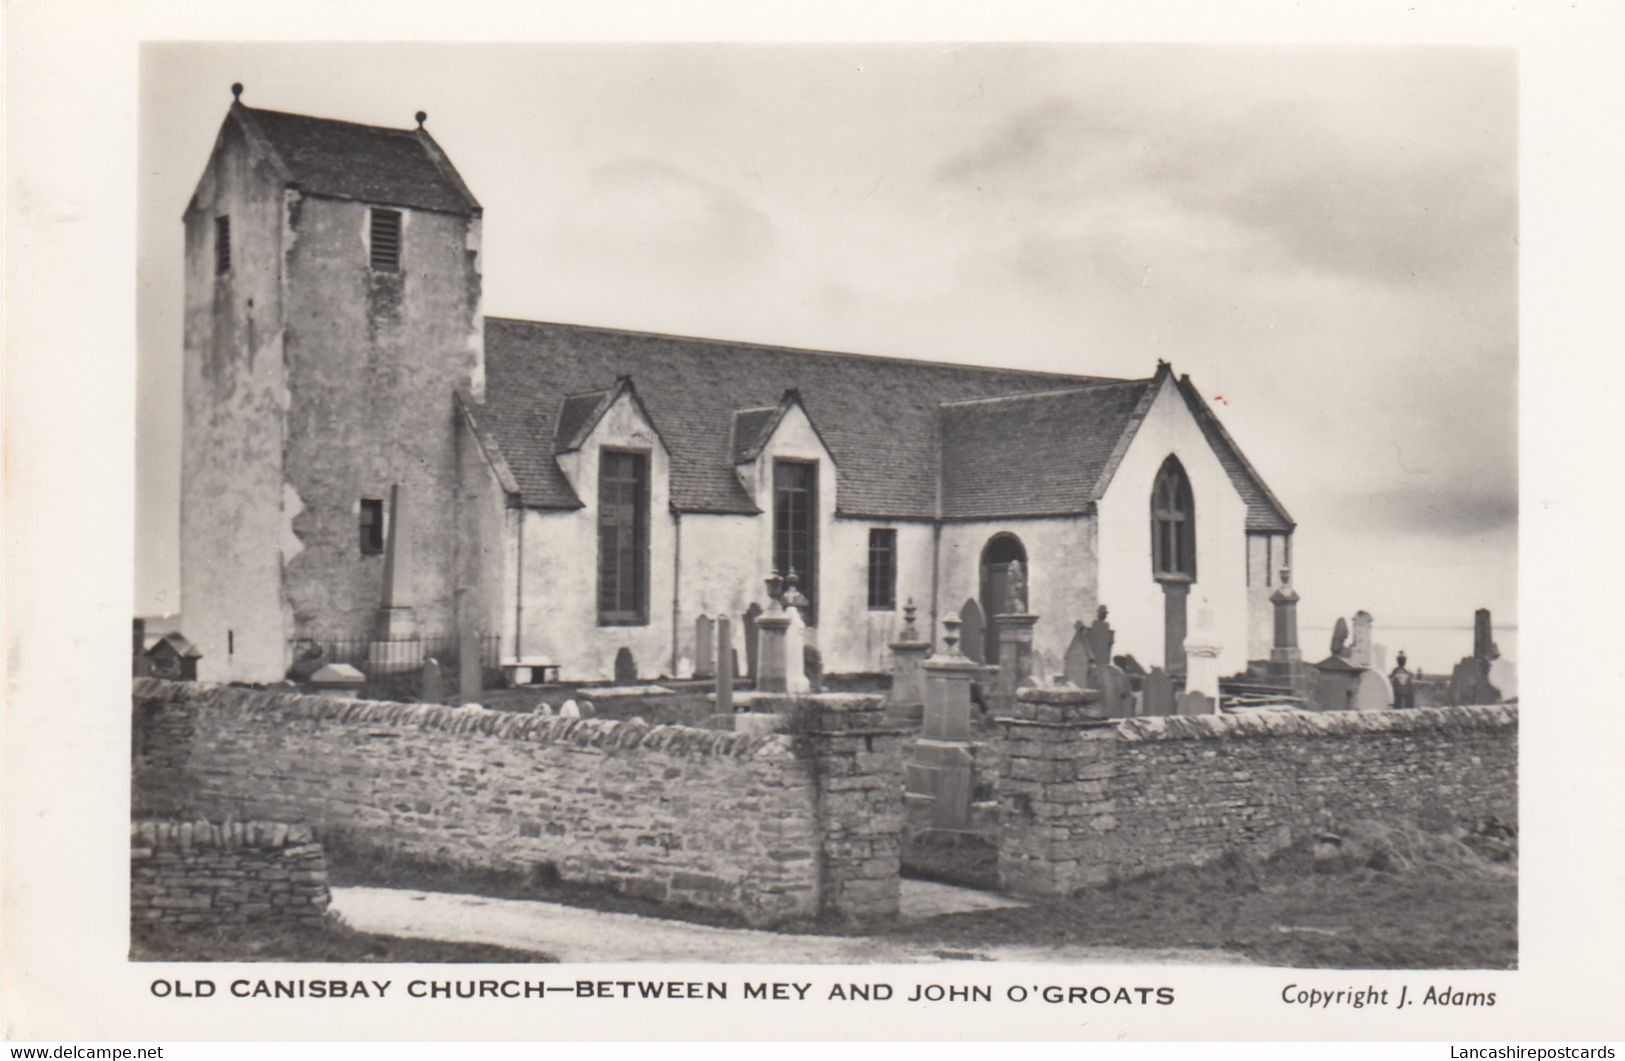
1173 525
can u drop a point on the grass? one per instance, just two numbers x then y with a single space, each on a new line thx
1398 898
329 940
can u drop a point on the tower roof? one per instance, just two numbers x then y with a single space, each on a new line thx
369 163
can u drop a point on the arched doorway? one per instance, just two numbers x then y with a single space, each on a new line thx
1173 555
998 554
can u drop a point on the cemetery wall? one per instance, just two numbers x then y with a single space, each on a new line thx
1126 585
772 827
1084 803
225 873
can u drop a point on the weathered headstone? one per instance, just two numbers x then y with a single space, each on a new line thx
586 708
544 709
1101 637
1286 658
1078 658
1336 681
1015 633
1195 704
724 665
470 677
795 653
1372 692
1157 693
626 667
1403 683
752 613
1360 649
569 709
433 686
1202 651
338 679
940 765
906 697
1340 638
705 652
973 632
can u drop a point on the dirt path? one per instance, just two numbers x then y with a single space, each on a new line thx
573 934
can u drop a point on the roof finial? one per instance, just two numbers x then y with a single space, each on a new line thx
422 116
237 91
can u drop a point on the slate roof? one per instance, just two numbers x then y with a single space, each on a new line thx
878 416
909 439
1037 454
369 163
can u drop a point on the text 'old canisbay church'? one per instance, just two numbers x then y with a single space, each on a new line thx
572 492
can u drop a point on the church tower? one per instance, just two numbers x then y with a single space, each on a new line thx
332 314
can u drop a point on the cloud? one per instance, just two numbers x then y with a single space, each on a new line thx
640 209
1388 179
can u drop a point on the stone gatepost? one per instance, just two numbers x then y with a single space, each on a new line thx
1054 799
940 768
855 755
906 698
1015 634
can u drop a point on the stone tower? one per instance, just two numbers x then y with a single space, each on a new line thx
332 313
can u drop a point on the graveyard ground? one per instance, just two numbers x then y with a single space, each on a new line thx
329 941
1401 899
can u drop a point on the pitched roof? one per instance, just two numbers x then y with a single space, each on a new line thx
1264 511
878 416
1040 454
909 439
370 163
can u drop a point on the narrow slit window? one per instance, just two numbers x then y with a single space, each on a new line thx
882 569
222 246
386 241
372 526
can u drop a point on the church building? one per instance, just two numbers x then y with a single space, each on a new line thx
573 492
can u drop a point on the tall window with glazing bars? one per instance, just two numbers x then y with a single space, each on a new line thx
623 538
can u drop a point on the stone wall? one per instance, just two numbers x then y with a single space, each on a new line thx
232 873
774 827
1084 802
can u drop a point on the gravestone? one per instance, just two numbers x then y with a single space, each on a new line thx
544 709
1360 653
1503 677
906 697
433 688
1195 704
586 708
705 652
470 678
626 667
1101 637
1372 692
725 664
1484 646
1131 667
1340 638
1403 683
973 632
795 653
1079 657
752 613
569 709
1157 693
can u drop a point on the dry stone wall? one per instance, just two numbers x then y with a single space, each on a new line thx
1084 801
773 827
225 873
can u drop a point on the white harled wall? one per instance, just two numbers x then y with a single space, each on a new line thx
1124 513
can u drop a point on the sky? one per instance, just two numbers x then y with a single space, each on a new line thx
1324 237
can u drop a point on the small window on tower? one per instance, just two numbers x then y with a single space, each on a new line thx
386 241
372 526
222 246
